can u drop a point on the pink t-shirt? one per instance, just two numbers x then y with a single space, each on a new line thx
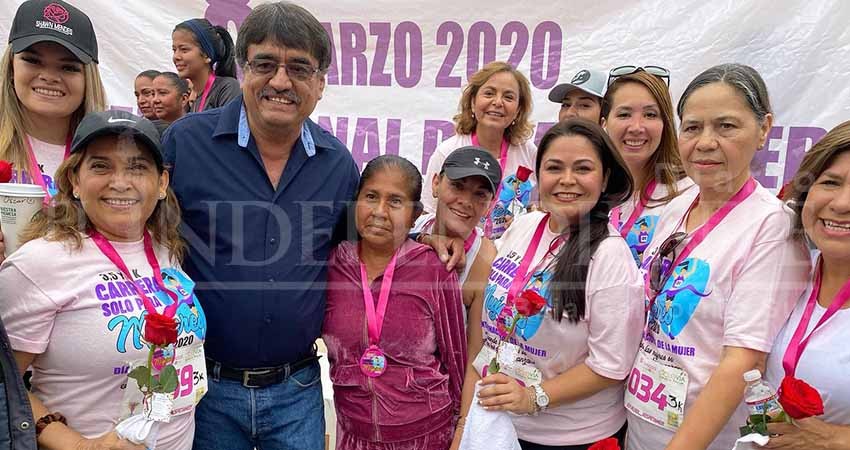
605 339
514 195
736 288
49 157
75 311
643 229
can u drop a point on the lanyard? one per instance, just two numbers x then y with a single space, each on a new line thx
35 171
624 228
522 273
375 319
798 344
746 190
109 251
503 162
207 89
467 244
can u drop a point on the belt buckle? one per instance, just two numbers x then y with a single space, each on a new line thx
246 374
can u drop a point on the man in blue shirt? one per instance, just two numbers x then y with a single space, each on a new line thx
263 191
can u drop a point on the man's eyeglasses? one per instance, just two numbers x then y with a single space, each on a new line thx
269 67
622 71
660 267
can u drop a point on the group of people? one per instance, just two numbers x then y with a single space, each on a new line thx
205 79
615 281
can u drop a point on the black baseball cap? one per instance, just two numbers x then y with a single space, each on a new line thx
117 122
53 21
473 161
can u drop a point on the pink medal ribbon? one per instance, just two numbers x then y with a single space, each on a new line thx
373 362
35 172
109 251
503 162
797 344
207 89
522 273
700 234
467 244
624 228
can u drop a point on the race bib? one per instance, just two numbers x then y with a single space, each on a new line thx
656 392
512 362
191 377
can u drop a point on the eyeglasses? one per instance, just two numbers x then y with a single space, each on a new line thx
269 67
659 268
622 71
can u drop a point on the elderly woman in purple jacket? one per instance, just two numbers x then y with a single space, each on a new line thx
393 326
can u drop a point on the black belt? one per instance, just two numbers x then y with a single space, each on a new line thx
259 378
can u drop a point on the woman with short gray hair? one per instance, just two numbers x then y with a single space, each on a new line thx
715 303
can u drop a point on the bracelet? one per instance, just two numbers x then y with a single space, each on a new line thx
421 237
532 397
461 422
42 423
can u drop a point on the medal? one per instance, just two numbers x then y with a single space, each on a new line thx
373 362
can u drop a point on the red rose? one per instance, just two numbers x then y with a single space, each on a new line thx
529 303
799 399
522 173
160 329
606 444
5 171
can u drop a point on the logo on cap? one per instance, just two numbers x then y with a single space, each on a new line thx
478 162
581 77
56 13
114 120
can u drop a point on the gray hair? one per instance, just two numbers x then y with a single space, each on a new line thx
740 77
286 24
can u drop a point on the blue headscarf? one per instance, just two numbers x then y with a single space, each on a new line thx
205 39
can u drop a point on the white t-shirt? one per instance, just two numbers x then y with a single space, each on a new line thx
513 190
643 229
736 288
49 157
825 362
605 339
75 311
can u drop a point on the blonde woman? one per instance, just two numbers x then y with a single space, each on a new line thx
50 80
494 114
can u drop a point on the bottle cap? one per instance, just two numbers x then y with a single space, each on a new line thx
752 375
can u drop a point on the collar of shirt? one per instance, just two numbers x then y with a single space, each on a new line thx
244 133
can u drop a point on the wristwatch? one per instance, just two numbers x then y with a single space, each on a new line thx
541 400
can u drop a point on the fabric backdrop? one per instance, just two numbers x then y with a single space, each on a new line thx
399 67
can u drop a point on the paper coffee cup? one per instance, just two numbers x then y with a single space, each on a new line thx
18 203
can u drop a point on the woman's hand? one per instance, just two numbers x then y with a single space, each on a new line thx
109 441
500 392
808 434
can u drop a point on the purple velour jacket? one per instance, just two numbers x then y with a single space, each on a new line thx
423 339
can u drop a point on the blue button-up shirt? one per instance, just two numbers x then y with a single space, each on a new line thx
258 253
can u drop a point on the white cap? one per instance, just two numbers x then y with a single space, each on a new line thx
594 82
752 375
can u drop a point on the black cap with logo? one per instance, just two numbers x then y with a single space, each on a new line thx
473 161
121 123
53 21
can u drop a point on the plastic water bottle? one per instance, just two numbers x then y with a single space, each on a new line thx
761 398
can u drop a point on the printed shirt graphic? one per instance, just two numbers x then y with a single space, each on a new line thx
515 194
49 157
643 229
75 310
734 289
612 325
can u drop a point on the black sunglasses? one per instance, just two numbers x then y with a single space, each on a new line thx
661 266
622 71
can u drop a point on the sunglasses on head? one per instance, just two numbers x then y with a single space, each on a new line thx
622 71
660 267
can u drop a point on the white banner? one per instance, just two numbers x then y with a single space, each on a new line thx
399 67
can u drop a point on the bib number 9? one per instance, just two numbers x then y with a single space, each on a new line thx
185 376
